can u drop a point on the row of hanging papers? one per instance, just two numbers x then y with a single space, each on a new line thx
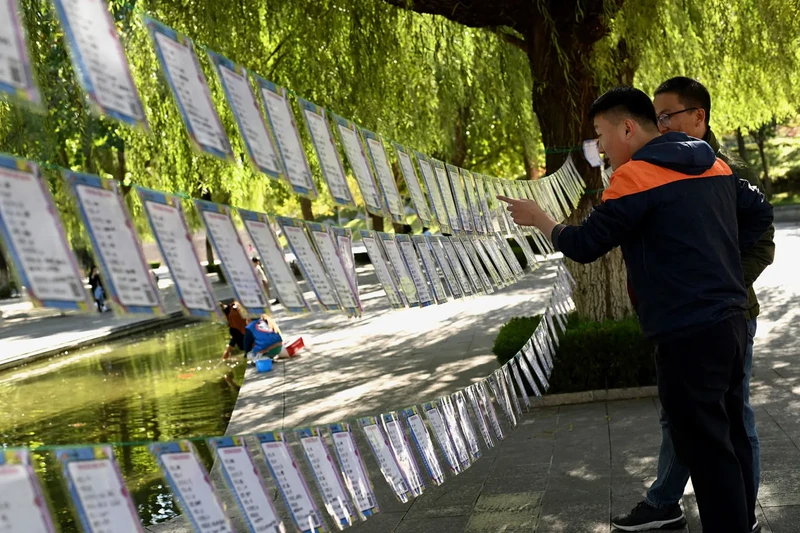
330 488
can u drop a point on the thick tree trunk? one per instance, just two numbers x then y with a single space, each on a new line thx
531 165
561 103
305 208
741 145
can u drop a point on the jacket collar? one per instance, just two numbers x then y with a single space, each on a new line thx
712 141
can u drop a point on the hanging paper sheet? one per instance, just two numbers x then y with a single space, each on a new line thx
520 385
462 206
397 262
290 147
488 265
258 138
410 175
327 154
509 387
434 194
424 444
344 245
385 176
473 201
309 263
469 246
237 266
412 263
168 222
329 253
466 425
353 470
401 450
526 371
480 416
360 165
294 491
281 277
22 503
99 60
178 59
242 479
387 460
455 263
115 244
447 196
448 411
191 486
385 275
35 239
98 495
487 249
429 265
441 259
442 436
329 481
16 76
463 255
486 402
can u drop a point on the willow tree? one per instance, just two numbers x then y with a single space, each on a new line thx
577 48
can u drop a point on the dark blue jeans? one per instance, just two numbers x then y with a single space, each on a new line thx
668 487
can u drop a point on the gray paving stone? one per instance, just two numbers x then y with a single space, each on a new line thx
453 524
380 523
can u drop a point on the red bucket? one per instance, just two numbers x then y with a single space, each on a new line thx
295 347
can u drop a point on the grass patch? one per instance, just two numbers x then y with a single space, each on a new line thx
785 198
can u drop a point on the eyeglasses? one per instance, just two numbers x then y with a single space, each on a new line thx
664 118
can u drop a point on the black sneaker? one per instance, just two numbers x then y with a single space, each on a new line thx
644 517
756 527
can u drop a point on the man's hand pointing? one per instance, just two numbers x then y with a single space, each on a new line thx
527 213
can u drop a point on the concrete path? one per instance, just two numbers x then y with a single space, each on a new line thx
566 469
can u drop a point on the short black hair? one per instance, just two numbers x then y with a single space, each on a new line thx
255 259
627 100
690 92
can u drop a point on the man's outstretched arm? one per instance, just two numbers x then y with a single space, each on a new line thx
606 227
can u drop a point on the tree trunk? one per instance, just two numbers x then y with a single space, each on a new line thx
531 165
741 146
767 181
561 104
305 208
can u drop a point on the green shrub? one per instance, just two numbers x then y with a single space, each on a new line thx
6 291
520 255
591 355
153 265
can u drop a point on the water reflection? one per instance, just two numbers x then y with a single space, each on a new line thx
170 385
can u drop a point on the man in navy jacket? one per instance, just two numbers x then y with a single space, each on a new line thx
681 218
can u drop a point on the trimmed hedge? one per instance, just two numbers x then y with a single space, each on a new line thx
518 253
591 355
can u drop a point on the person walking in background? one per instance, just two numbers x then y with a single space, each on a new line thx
684 105
98 290
262 276
681 218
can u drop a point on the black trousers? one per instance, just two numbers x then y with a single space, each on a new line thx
701 387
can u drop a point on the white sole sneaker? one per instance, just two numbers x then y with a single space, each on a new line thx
674 523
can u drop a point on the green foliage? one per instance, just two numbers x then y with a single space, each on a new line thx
518 253
746 52
403 76
591 355
513 335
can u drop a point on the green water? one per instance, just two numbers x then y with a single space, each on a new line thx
170 385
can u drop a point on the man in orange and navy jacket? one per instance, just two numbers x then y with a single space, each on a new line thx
681 218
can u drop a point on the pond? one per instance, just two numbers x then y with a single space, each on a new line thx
170 385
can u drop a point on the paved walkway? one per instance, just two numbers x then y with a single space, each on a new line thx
566 469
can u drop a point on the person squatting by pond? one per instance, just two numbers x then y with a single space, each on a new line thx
257 338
